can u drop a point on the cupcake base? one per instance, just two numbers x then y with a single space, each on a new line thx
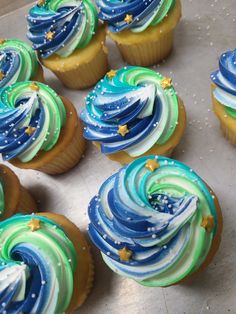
17 198
227 123
85 67
84 275
66 153
150 46
157 150
39 77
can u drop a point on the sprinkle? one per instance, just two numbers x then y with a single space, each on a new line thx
128 18
34 225
125 254
50 35
152 164
111 74
123 130
166 83
208 223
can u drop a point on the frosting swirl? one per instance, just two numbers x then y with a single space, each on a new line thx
31 118
61 26
133 14
37 267
146 218
18 62
225 80
131 110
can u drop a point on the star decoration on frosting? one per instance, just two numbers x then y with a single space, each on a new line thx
30 130
34 225
125 254
41 3
2 41
128 18
166 82
50 35
123 130
111 74
34 86
152 164
208 223
2 75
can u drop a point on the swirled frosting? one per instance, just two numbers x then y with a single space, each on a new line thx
36 271
31 118
129 110
135 15
153 221
225 80
18 62
62 26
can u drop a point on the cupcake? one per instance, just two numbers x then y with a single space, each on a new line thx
14 198
156 222
142 30
224 94
133 112
18 63
69 41
46 262
38 129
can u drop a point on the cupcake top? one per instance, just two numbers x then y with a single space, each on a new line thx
38 262
225 80
18 62
135 15
60 27
154 221
31 118
131 110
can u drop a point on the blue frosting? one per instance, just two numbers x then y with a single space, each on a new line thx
149 112
144 13
225 79
153 221
72 25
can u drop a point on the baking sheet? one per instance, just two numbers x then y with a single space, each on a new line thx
206 30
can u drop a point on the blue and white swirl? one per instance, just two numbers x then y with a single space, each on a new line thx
72 25
157 216
225 80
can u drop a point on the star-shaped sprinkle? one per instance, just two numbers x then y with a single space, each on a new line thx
34 225
152 164
208 223
166 82
128 18
50 35
2 75
34 86
111 74
2 41
30 130
123 130
41 3
125 254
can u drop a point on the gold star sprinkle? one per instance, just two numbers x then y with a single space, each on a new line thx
34 225
50 35
41 3
2 41
208 223
166 82
34 86
30 130
123 130
111 74
128 19
125 254
152 164
2 75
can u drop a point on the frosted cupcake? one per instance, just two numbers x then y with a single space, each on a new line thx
69 41
38 129
156 222
142 30
18 63
46 266
224 94
133 112
14 198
